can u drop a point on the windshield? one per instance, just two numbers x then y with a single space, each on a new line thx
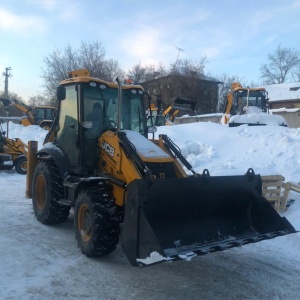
256 98
101 104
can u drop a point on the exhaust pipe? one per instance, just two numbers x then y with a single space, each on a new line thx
119 104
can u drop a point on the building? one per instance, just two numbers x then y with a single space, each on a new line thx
204 90
285 95
284 100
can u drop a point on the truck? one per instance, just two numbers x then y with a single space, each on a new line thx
142 192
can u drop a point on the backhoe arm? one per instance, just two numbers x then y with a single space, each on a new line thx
25 109
19 105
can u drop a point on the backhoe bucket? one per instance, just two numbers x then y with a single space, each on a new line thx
178 218
184 104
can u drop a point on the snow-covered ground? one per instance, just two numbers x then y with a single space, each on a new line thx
44 262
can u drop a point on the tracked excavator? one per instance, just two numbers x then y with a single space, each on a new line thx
42 116
249 106
142 192
13 153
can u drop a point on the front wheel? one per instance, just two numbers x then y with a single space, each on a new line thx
21 164
97 223
47 189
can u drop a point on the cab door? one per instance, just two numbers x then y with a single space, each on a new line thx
67 134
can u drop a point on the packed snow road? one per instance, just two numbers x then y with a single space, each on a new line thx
44 262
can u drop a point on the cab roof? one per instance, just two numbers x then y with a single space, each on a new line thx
250 89
94 79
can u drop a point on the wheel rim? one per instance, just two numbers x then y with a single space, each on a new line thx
84 223
24 166
40 192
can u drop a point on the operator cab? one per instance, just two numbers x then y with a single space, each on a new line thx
80 124
44 113
244 97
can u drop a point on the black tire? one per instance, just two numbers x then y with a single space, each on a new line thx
47 189
21 164
45 125
97 223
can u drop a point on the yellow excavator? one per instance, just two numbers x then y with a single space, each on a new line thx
142 191
13 153
249 106
42 116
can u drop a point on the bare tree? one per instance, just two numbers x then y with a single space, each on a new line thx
280 65
140 74
89 55
39 100
189 68
296 73
137 73
92 57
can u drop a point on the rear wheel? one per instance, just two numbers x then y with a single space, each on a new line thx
97 223
47 189
21 165
45 125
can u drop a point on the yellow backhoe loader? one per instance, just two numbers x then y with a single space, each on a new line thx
40 115
249 106
123 185
159 117
13 153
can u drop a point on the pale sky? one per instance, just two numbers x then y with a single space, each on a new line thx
235 35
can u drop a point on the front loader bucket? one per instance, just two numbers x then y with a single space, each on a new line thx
180 217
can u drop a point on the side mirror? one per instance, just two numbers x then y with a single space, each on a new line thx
61 93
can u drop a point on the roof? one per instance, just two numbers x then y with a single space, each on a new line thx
283 91
201 78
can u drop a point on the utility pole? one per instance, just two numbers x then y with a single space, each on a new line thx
7 74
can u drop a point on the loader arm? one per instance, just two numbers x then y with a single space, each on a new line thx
15 147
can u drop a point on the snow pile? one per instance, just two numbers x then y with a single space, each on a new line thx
269 150
26 134
253 115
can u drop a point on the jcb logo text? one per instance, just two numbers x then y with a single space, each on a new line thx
108 148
